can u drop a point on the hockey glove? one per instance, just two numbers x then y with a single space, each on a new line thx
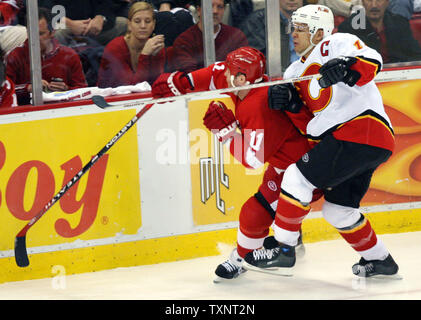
338 69
220 120
171 84
284 97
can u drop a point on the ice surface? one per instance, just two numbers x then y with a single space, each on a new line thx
324 273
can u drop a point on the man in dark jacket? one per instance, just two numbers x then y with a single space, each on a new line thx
383 31
188 46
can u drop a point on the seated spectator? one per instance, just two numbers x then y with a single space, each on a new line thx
61 66
345 8
404 8
121 7
94 19
168 5
136 57
239 10
7 87
188 47
342 8
388 33
254 29
12 34
172 19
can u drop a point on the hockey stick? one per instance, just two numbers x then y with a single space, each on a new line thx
21 254
100 101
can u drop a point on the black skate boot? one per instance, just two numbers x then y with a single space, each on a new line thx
371 268
270 243
230 269
278 260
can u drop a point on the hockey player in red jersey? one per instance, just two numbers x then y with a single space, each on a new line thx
7 87
353 136
255 135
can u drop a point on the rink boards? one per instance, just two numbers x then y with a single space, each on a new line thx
167 190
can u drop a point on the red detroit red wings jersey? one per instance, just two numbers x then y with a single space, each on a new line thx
210 78
267 135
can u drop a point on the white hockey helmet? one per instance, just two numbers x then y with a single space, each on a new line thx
316 17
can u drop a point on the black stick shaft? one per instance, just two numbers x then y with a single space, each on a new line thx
21 254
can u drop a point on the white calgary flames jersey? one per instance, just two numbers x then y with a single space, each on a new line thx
340 103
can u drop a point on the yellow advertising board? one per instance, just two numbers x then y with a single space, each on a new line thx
220 183
38 157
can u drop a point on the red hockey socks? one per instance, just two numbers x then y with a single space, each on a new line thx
289 217
255 221
360 235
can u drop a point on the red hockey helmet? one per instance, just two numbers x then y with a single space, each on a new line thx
249 61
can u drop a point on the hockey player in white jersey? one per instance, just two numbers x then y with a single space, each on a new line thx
352 136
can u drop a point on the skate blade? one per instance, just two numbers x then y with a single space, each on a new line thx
396 276
385 277
283 272
219 279
222 280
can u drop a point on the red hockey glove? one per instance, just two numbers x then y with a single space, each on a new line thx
171 84
220 120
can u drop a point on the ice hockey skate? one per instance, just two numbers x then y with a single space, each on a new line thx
300 250
382 269
230 269
279 260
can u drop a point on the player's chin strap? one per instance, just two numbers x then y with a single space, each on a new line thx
310 46
247 82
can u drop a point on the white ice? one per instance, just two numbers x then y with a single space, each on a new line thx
324 273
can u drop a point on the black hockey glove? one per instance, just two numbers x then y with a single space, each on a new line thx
338 69
284 97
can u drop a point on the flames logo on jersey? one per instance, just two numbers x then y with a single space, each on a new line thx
313 96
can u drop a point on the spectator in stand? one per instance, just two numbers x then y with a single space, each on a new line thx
345 8
136 57
404 8
172 19
388 33
61 66
121 7
254 29
12 34
239 11
342 8
188 47
168 5
7 87
94 19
